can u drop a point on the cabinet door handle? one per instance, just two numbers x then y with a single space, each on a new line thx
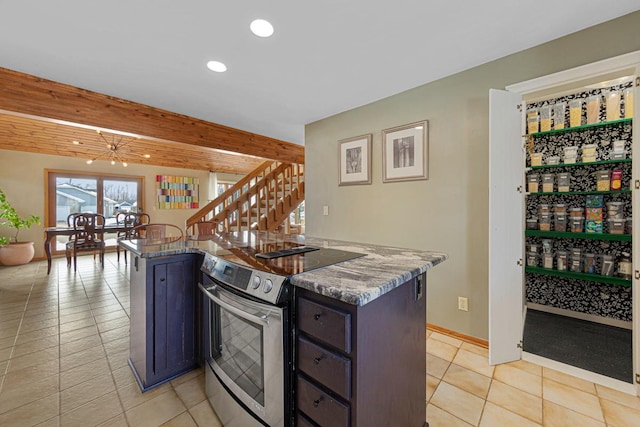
162 279
317 316
317 402
318 359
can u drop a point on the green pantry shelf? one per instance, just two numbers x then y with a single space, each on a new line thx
611 280
579 193
570 165
586 236
583 127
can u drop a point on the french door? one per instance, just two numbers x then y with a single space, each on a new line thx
74 192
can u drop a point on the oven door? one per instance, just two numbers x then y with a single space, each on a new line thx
245 354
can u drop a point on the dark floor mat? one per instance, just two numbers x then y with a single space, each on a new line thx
606 350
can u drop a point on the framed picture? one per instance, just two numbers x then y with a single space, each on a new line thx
405 152
355 160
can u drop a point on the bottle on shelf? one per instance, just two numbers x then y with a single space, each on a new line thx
625 266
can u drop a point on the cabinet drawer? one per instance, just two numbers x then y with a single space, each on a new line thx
328 324
326 367
320 407
302 421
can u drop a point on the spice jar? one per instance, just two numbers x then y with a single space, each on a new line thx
576 212
532 223
545 221
558 115
593 109
577 224
603 181
545 118
616 179
547 182
589 263
560 222
547 261
544 208
532 124
553 160
575 112
612 105
560 208
625 266
628 102
564 182
616 226
575 262
606 265
532 183
589 153
562 260
615 210
536 159
532 259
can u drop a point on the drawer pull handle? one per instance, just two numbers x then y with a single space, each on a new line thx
317 402
318 359
317 316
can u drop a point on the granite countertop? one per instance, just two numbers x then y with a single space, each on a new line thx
357 281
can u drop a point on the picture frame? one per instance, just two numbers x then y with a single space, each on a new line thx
354 156
405 152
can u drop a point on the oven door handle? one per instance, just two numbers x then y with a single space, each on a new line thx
238 312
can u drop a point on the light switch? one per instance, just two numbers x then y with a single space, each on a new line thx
325 210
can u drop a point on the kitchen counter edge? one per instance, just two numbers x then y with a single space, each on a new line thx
357 281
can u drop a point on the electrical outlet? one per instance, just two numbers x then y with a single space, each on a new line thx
463 303
325 210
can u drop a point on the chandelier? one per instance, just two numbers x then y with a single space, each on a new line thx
116 149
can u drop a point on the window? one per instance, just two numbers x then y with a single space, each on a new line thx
73 192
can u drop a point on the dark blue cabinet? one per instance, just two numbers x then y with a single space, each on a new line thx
163 318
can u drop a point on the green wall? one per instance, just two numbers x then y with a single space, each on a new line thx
448 212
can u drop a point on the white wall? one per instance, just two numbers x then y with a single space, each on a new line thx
22 177
449 212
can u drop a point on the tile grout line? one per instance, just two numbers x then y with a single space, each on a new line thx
15 340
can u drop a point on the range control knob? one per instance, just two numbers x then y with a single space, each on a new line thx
255 284
268 285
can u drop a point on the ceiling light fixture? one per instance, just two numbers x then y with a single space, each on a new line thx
216 66
261 28
115 149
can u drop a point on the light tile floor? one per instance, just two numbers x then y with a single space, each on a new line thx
63 362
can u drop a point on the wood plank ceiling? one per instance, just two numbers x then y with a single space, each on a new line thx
42 116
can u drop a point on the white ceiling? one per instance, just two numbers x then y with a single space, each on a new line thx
325 56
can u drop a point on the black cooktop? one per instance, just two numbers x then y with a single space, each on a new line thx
277 256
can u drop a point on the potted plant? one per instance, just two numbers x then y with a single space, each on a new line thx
13 252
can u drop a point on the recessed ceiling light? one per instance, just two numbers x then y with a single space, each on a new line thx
147 156
216 66
261 28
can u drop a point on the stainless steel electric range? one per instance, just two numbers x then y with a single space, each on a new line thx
247 327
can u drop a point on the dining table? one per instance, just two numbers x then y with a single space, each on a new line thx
52 232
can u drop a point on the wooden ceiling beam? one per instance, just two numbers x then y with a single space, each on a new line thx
34 96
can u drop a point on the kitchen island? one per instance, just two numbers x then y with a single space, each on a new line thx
360 336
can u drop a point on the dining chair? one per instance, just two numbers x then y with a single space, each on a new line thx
206 228
129 221
155 234
88 236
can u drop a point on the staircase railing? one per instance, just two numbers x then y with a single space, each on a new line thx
262 200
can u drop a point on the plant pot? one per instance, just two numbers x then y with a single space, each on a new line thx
17 253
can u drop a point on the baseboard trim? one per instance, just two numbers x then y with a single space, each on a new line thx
463 337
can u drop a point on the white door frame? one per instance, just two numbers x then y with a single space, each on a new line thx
627 63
